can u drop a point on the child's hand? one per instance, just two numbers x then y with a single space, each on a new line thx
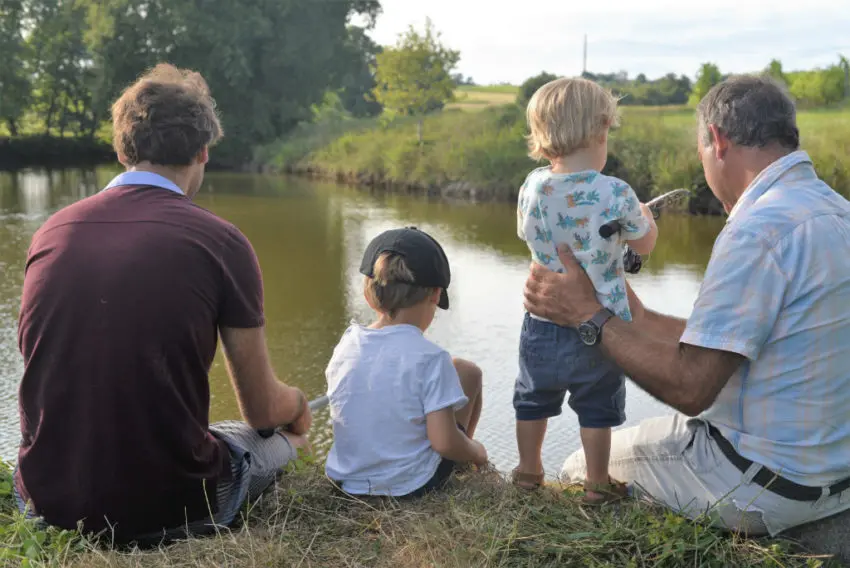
480 458
647 213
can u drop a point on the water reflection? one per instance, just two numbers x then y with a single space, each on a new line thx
309 238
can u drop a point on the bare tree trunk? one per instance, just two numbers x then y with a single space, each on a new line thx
63 122
845 64
48 124
846 81
92 127
13 126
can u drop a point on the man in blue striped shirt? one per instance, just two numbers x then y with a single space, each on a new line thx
761 369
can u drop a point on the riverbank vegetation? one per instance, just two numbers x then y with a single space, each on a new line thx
482 155
481 520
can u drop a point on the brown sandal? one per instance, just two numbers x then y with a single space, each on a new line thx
608 492
529 481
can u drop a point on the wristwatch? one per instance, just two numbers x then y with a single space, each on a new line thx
590 331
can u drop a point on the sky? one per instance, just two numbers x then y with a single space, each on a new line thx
511 40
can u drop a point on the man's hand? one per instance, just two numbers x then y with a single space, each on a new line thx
302 424
567 299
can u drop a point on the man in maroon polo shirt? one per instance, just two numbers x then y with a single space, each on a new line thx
124 297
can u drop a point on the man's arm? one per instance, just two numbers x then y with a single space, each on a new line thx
683 376
264 401
653 323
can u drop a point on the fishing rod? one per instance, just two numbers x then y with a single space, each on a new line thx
632 261
314 405
612 227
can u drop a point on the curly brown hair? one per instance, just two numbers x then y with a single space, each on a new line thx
167 118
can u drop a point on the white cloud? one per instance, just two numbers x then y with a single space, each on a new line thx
512 40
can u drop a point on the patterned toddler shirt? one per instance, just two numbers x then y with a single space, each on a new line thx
569 208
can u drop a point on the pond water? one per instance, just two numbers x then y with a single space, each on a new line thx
309 238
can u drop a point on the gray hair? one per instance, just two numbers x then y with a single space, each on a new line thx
750 110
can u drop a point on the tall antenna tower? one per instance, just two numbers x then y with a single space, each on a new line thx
584 58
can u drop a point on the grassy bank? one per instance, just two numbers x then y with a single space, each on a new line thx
480 521
482 155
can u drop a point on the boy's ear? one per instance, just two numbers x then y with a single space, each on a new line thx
435 295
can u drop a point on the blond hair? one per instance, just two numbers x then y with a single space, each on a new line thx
564 115
392 287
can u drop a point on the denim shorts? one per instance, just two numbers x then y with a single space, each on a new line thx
554 361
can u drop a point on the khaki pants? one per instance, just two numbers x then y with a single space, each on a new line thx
674 461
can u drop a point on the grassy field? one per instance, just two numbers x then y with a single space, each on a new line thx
484 151
479 521
477 98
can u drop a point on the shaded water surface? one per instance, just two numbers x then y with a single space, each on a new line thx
309 238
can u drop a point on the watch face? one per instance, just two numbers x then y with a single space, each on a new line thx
588 333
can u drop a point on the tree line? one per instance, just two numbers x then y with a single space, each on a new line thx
811 88
270 64
267 61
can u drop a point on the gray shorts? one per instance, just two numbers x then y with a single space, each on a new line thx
255 463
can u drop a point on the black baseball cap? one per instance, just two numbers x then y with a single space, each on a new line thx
421 252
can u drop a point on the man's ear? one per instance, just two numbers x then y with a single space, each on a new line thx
435 295
203 156
719 142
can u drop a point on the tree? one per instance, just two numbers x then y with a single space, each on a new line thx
414 77
15 86
531 85
708 76
818 87
267 62
774 69
61 65
356 76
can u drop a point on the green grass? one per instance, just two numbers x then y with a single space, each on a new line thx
654 149
507 89
480 520
477 98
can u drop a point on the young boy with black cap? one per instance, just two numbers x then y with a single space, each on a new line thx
403 411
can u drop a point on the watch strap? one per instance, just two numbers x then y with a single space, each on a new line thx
601 317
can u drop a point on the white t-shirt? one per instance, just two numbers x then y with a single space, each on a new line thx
381 385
